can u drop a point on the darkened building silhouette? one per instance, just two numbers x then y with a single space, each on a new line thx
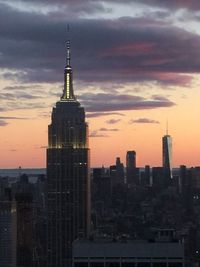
184 181
24 226
40 222
119 171
131 159
7 233
158 180
145 176
101 184
22 197
68 184
17 224
132 173
101 192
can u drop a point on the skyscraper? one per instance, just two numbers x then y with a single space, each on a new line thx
131 159
167 155
68 183
132 173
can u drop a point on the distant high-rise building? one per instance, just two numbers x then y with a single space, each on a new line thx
158 178
132 173
68 183
131 159
120 168
185 176
145 176
167 155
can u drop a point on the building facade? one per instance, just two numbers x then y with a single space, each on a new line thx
8 234
68 183
25 237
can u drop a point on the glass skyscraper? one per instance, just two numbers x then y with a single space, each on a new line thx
167 155
68 182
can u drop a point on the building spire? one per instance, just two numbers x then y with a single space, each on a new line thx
68 48
167 127
68 59
68 93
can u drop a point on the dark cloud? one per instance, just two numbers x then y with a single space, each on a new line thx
100 114
108 102
22 97
18 95
45 114
92 6
171 4
113 121
9 106
2 109
12 118
96 134
159 97
144 120
32 105
23 88
3 123
108 130
70 8
118 50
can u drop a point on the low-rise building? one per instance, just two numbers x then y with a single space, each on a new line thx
124 253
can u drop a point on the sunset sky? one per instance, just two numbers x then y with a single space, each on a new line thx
136 66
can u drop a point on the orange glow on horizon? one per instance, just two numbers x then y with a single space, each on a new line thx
23 142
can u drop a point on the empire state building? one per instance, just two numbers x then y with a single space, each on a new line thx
68 182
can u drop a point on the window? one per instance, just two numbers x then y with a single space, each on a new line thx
175 264
80 264
96 264
144 264
128 264
159 264
112 264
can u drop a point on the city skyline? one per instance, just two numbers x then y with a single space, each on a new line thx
134 66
